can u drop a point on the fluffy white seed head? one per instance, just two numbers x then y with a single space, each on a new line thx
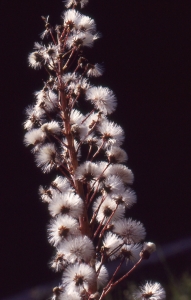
47 157
69 3
61 184
66 203
124 173
80 132
76 117
87 172
58 262
45 194
131 231
32 118
71 18
34 137
106 209
50 55
116 155
78 277
113 185
112 245
95 70
87 24
151 291
77 249
69 77
61 228
47 101
127 198
111 134
130 252
36 60
81 39
102 98
51 127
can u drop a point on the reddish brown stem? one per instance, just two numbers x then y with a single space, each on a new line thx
54 41
88 116
114 274
62 34
95 234
98 150
95 212
91 199
69 59
83 220
90 149
104 293
105 226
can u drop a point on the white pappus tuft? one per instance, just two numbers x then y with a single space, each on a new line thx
58 262
102 98
79 277
76 249
34 137
106 209
76 117
151 291
61 185
69 3
116 155
127 197
111 134
112 245
130 252
36 60
32 118
124 173
113 185
47 101
87 172
47 157
87 24
51 127
82 39
95 70
45 194
71 18
66 203
131 231
61 228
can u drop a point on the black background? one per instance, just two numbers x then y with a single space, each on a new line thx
145 48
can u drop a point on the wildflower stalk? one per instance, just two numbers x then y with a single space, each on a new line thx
87 204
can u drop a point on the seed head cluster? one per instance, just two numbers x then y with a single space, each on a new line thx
70 133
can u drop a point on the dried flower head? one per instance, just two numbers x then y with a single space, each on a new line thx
151 291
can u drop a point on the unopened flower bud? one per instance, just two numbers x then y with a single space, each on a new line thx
56 290
148 248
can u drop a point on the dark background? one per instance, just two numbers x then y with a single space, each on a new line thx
145 48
